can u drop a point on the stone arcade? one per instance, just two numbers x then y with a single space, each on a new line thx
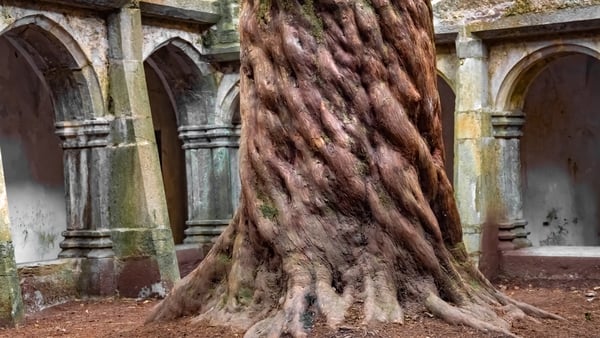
119 129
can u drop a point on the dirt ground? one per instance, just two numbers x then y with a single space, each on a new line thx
116 317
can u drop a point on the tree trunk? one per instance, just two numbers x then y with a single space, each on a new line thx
345 202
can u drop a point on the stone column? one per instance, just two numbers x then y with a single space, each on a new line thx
473 139
145 261
235 167
507 129
208 151
11 302
82 143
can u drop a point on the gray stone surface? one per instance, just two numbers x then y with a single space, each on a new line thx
136 202
11 303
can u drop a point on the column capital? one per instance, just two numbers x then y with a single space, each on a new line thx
209 136
508 124
83 133
470 47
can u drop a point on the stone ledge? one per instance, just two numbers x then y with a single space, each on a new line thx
93 4
537 24
203 12
49 283
446 34
195 11
557 263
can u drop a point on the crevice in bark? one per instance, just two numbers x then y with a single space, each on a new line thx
345 202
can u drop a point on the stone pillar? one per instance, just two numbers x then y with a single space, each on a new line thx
208 151
11 302
82 143
235 167
473 139
145 261
507 129
222 41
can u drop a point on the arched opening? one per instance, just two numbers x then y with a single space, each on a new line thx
47 85
447 100
32 158
559 156
31 152
170 152
181 89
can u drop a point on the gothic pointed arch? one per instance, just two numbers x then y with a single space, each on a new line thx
188 80
62 65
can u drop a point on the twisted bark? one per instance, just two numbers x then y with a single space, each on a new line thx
345 201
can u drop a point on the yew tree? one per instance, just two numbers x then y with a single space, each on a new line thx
344 199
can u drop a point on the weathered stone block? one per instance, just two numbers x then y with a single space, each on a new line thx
137 275
136 242
97 277
49 283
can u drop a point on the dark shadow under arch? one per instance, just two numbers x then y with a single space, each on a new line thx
188 79
559 157
182 93
447 101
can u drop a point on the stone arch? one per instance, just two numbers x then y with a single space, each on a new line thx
228 100
188 80
62 64
68 101
447 80
558 149
511 95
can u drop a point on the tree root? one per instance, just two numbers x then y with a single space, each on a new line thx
487 321
457 316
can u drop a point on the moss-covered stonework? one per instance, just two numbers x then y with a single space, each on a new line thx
459 11
11 303
138 214
49 283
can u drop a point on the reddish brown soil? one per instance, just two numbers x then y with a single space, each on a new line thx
115 317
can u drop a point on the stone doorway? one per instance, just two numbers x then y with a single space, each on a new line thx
559 153
170 152
447 101
32 158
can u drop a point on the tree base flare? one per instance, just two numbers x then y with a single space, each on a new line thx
287 298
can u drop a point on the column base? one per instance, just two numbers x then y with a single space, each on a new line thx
204 231
145 261
86 243
512 235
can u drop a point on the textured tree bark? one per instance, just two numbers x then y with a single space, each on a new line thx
345 202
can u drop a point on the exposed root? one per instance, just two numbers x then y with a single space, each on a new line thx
381 304
528 309
458 316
